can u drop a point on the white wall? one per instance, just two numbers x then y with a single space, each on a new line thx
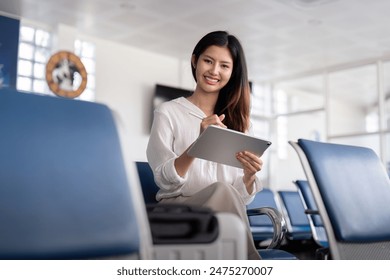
125 81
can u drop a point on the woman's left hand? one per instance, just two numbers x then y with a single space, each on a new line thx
251 164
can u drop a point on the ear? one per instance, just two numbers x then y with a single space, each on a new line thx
193 61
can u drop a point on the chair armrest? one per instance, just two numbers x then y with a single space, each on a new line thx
278 222
312 212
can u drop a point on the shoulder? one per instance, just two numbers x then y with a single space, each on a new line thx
169 106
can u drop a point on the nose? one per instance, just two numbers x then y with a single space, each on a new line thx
214 69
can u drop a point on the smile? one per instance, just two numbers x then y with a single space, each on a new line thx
211 80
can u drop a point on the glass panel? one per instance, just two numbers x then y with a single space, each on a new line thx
26 51
24 83
369 141
41 55
88 50
39 86
387 155
87 95
39 70
261 100
27 34
353 103
25 67
386 70
287 168
89 65
42 38
299 95
91 83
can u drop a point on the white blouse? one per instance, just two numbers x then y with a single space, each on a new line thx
173 131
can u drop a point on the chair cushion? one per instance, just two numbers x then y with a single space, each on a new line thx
275 254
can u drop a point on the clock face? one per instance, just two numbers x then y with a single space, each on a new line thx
66 75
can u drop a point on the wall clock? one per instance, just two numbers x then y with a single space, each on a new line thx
66 75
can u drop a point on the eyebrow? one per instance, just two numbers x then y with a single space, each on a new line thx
226 62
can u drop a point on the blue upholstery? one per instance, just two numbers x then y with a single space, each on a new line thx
272 254
149 187
311 205
319 234
298 227
354 187
64 193
261 225
351 188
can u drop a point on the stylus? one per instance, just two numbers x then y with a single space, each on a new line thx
196 115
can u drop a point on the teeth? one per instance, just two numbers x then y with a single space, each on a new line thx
212 80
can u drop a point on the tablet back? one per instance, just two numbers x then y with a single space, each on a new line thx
221 145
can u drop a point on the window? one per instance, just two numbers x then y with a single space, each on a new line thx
86 52
34 51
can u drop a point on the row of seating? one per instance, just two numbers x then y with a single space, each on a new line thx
289 203
68 192
303 223
345 199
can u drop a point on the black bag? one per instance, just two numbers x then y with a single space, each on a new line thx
181 224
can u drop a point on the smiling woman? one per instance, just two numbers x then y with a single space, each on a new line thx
220 98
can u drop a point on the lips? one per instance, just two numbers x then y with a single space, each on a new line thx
211 80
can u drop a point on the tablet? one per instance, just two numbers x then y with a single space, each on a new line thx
221 145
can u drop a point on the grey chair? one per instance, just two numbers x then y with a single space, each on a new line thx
351 188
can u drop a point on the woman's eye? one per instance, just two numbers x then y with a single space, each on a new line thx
208 61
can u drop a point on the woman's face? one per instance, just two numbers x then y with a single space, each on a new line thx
213 69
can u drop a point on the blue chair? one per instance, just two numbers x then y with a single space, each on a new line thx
298 226
317 227
351 188
149 187
260 212
64 191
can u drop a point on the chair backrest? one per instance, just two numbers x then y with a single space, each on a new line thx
261 225
64 191
352 191
148 185
298 226
316 224
306 194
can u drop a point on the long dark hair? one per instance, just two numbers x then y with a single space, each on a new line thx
234 97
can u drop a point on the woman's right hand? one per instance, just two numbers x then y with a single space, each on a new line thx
212 120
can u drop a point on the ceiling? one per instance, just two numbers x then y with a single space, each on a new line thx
280 37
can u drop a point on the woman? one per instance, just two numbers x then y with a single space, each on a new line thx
221 97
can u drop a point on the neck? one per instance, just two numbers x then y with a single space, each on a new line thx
204 100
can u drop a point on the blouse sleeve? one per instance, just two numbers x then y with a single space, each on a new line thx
160 154
240 186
